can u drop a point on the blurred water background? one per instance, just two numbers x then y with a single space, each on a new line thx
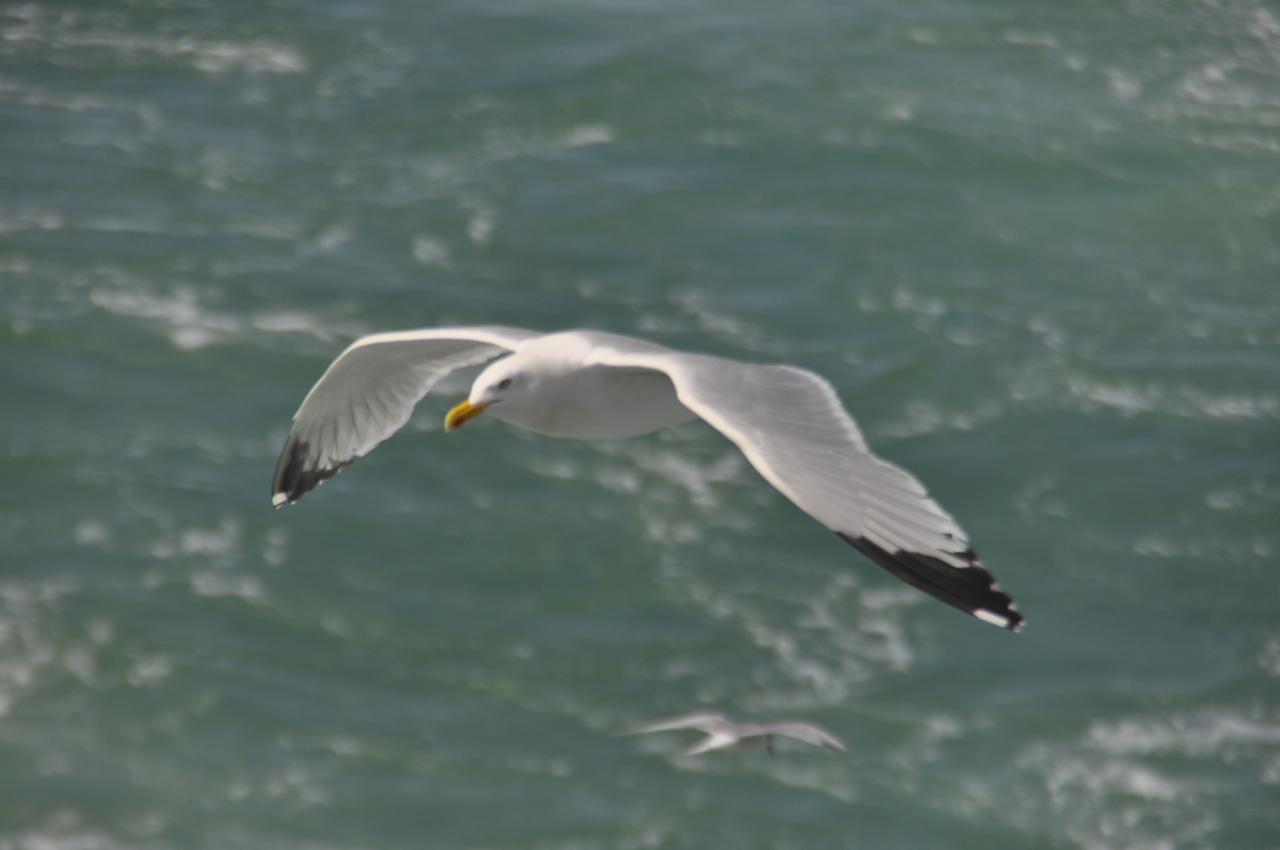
1035 245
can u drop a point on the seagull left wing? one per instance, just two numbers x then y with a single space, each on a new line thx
793 429
369 392
704 720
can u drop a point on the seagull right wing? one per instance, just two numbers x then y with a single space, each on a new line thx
806 732
369 392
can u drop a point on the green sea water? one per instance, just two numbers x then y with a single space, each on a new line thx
1034 245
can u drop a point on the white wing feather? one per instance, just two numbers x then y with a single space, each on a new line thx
706 721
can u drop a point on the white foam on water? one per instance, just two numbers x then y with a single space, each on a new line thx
700 478
214 556
502 144
1126 399
824 645
215 552
1225 499
1163 546
31 219
92 533
223 539
149 669
924 35
347 746
275 549
549 466
1023 38
290 783
337 331
254 57
1071 779
1269 656
622 480
1085 805
900 110
189 324
145 122
287 322
30 648
269 228
1231 407
1213 84
223 583
1270 774
1165 779
715 320
430 251
698 481
1222 102
1201 734
1123 87
1132 399
588 134
69 838
922 417
483 218
208 56
1154 545
330 239
904 299
866 623
1040 497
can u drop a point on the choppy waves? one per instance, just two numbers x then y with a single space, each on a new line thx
1038 267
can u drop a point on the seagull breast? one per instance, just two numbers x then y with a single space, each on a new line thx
601 403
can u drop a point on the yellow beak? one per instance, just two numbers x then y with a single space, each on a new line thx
461 414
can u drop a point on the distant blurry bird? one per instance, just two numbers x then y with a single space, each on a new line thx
725 734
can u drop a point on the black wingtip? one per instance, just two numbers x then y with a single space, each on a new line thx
296 473
970 588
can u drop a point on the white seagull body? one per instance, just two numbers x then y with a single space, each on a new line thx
593 385
725 734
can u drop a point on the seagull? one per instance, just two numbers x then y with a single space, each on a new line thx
725 734
592 385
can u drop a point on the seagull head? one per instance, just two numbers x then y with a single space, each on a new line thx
504 383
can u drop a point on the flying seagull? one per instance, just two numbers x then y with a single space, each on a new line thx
593 385
725 734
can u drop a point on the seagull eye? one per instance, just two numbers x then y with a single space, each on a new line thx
504 383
